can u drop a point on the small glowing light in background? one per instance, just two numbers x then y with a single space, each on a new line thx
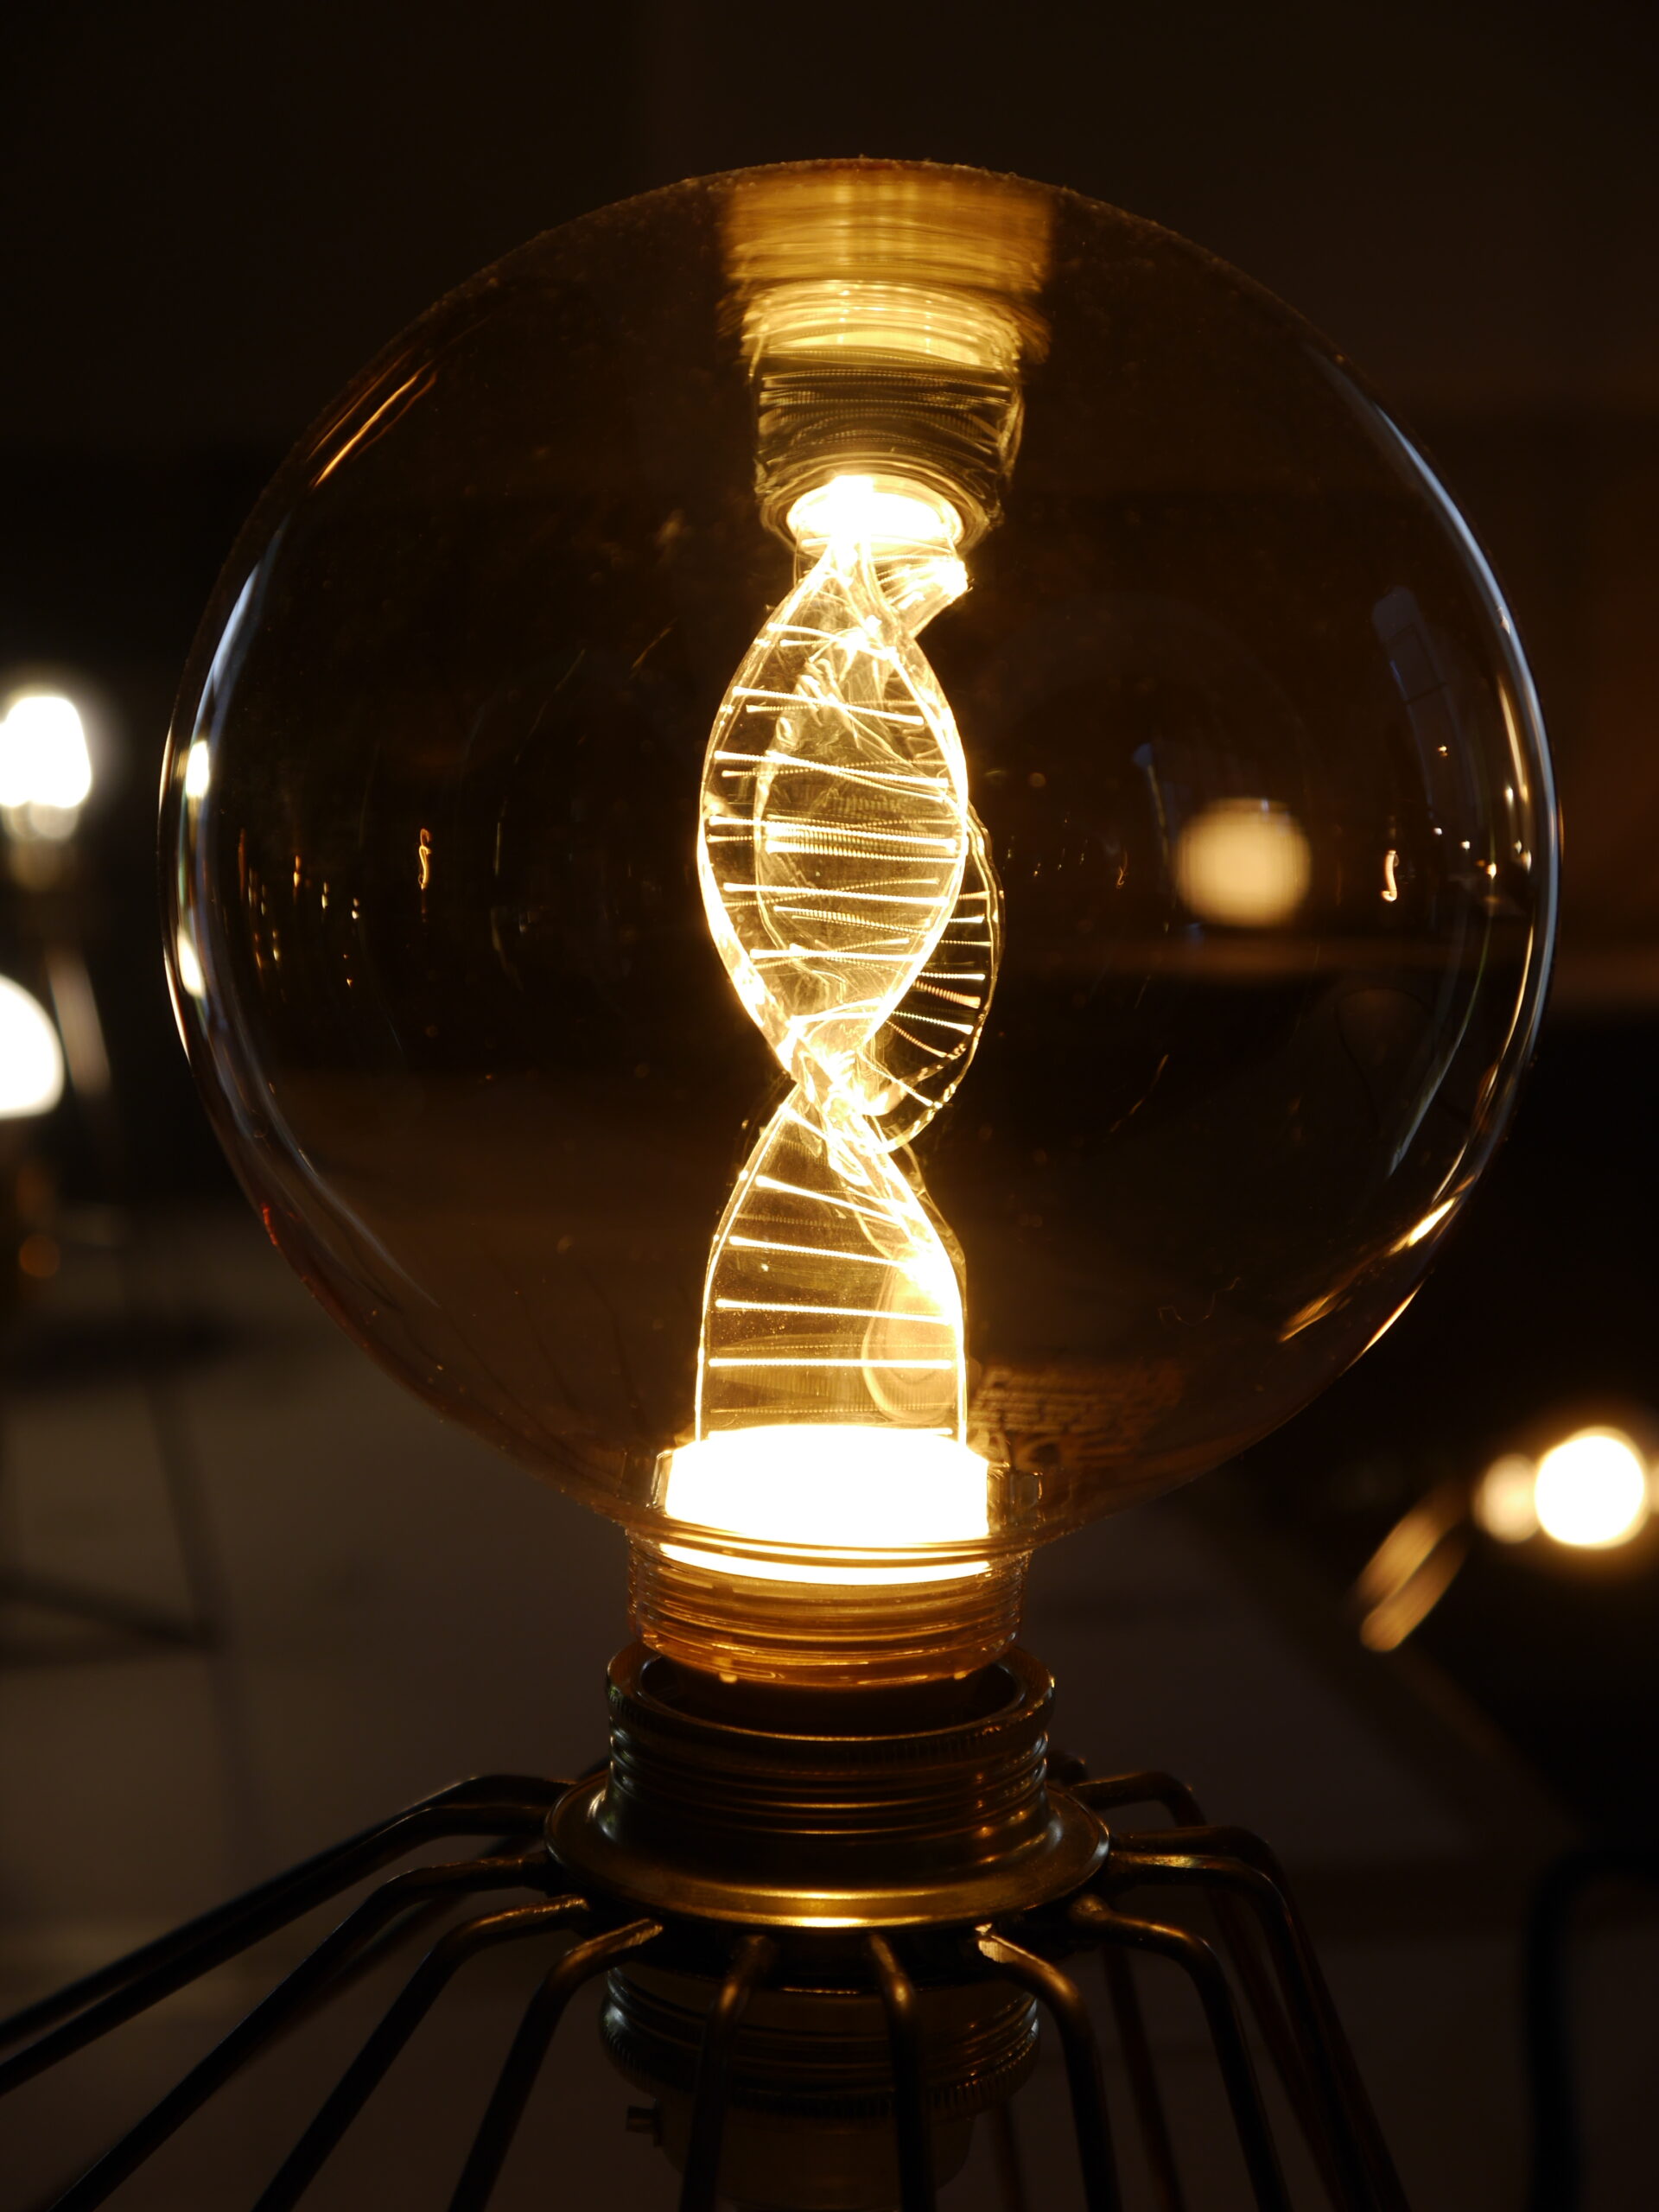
31 1060
45 771
1504 1504
1243 862
1592 1490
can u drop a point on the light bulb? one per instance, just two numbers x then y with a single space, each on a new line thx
45 771
1032 1045
31 1060
1592 1490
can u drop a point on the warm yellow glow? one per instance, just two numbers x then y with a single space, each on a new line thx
939 269
830 1488
198 769
45 771
1430 1222
850 894
1592 1490
1243 862
31 1060
1505 1504
871 511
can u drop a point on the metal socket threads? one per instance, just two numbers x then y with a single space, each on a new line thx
826 1809
886 313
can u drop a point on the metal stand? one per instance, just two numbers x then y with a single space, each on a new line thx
872 2037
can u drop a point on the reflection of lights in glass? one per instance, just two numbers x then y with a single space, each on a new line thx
31 1060
1504 1504
846 883
45 771
189 965
1430 1222
1243 862
1592 1490
198 769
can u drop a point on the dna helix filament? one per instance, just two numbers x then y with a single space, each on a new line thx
849 891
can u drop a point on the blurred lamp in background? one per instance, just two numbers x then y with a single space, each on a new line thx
31 1060
46 769
1591 1491
1585 1489
1243 863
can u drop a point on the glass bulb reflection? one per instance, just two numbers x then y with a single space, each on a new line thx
848 887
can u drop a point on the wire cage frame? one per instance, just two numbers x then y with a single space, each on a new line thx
1261 1955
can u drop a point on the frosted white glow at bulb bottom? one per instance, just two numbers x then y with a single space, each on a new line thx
833 1487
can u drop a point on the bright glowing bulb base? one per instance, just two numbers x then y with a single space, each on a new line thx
830 1556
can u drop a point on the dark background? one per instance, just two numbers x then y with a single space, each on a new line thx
209 218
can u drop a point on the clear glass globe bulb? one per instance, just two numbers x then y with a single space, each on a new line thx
860 858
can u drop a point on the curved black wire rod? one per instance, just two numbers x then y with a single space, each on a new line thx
523 2060
1150 1787
308 1981
1143 2081
1245 1844
492 1804
1070 2016
751 1963
1198 1962
914 2137
1365 2169
1235 1928
363 2077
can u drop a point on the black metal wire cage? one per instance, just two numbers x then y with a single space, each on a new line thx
1257 1963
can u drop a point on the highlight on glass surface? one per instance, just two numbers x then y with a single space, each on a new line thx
903 918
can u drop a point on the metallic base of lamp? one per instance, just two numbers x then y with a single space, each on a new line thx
828 1923
773 1808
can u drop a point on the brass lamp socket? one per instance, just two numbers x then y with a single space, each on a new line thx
821 1809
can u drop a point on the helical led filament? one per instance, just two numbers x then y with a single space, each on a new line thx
849 891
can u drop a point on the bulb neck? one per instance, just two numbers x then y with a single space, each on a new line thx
952 430
886 316
821 1635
